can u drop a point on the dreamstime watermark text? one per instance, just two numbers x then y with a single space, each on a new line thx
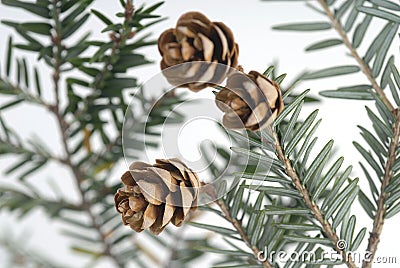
325 256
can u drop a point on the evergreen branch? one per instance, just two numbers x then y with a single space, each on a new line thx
18 90
55 55
79 177
380 214
24 201
15 148
63 126
32 154
238 226
364 67
103 236
318 215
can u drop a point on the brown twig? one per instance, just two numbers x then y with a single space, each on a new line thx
379 219
317 213
364 67
239 228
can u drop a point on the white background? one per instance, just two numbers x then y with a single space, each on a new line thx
251 23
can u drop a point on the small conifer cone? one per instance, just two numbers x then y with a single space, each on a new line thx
154 195
250 101
195 38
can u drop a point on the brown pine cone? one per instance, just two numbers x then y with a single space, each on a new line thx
154 195
249 101
196 38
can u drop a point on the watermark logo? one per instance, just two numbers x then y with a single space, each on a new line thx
341 244
328 256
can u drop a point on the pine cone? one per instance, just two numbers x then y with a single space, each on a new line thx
252 98
155 195
194 39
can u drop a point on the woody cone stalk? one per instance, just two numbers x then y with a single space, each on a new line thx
154 195
249 101
195 38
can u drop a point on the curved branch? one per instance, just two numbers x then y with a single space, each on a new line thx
379 219
381 210
238 226
317 213
364 67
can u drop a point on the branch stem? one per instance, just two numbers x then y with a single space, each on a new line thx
379 219
364 67
63 127
381 210
317 213
238 226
